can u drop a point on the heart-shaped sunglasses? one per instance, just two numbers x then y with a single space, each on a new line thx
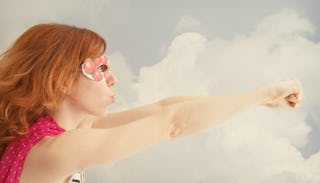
97 69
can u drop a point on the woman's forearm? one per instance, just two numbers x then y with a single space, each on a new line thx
115 119
178 99
195 115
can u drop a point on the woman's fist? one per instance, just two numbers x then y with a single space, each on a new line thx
284 93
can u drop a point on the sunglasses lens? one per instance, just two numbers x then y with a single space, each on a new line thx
96 69
103 68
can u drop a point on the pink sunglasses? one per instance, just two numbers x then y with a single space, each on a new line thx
97 69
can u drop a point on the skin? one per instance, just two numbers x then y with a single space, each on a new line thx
90 143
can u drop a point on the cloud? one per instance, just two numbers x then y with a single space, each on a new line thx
258 146
189 23
178 68
285 24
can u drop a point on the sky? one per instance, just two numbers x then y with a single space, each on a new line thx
164 48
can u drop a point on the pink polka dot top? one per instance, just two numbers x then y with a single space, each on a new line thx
13 158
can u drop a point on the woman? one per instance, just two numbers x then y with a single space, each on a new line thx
55 86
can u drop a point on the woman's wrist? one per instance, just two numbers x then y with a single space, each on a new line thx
263 95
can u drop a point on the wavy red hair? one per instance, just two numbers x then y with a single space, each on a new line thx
33 72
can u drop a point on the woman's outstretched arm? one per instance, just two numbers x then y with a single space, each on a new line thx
195 115
95 147
115 119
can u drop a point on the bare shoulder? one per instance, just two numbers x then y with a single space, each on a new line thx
61 155
38 162
58 157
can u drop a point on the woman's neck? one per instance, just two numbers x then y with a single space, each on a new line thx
68 117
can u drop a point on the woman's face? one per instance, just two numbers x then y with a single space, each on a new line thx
93 92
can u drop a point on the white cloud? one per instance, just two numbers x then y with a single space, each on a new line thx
258 146
178 68
285 24
188 23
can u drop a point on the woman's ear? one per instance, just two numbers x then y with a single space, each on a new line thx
65 90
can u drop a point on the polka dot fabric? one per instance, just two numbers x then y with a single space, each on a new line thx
13 158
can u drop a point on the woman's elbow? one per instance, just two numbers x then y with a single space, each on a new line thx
166 119
176 123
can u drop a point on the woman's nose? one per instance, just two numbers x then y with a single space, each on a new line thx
112 80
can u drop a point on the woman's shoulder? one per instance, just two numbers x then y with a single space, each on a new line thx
17 151
48 161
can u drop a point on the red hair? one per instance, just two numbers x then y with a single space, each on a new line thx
33 72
